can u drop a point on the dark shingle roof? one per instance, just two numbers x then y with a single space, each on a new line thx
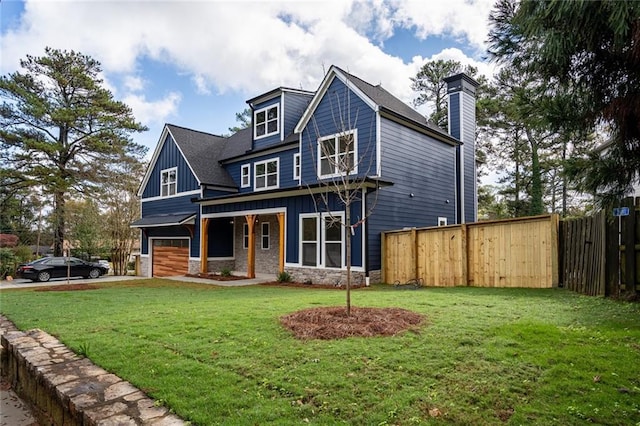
389 102
237 144
203 152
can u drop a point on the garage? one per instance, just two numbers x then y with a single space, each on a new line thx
170 257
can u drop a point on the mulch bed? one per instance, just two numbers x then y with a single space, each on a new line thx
218 277
333 323
68 287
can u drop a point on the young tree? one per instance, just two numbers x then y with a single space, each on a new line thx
85 228
61 130
349 173
587 53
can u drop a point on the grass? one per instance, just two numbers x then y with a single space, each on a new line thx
486 356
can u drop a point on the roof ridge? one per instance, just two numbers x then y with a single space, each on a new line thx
196 131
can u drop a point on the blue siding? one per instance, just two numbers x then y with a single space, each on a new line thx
169 206
285 169
170 157
220 238
273 139
294 106
418 165
339 104
294 207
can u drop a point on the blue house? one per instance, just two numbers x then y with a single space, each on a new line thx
271 197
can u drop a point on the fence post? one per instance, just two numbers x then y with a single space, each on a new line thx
414 247
629 240
464 254
383 257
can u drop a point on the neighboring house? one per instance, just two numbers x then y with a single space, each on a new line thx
249 202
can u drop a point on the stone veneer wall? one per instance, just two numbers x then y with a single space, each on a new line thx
266 259
67 390
144 266
335 277
213 266
375 277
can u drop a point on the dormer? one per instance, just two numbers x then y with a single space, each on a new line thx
275 114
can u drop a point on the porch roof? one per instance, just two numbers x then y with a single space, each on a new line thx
164 220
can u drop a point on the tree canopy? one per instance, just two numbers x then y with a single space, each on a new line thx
61 130
587 53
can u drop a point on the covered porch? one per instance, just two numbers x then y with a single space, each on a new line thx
258 240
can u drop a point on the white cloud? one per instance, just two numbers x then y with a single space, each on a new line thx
153 112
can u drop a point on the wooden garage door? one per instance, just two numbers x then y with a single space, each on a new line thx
170 257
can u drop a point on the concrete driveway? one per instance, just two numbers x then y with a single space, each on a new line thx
22 283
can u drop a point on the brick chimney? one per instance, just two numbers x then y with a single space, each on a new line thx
462 126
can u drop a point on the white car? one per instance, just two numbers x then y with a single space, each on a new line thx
106 264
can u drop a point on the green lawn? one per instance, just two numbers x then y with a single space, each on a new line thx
485 356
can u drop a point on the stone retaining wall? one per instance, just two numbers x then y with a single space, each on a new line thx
68 390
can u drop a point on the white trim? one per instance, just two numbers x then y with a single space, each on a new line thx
255 174
266 121
262 247
324 86
281 117
365 249
168 171
246 212
442 221
245 236
179 194
246 167
378 145
336 138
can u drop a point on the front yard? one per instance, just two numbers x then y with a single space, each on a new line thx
484 356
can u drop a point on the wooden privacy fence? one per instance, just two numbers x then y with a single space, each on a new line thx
520 252
600 253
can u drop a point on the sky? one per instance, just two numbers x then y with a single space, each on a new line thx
195 63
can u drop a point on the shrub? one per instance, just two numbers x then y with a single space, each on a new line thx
8 262
284 277
225 272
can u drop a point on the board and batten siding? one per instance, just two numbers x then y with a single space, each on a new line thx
339 104
416 164
285 169
169 157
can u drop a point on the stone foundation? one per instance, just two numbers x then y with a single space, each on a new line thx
335 277
213 266
375 277
144 266
67 390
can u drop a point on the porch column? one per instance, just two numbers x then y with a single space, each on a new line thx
251 252
204 245
281 243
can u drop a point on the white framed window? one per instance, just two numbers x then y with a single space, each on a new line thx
265 174
266 121
245 235
264 243
333 240
245 176
337 154
442 221
168 182
309 240
296 166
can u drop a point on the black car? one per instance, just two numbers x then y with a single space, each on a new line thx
58 267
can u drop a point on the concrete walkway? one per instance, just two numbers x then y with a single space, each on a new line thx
13 410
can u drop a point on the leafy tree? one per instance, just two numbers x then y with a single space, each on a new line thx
61 130
122 207
243 119
85 228
587 53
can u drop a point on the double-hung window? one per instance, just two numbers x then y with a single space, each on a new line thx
245 176
265 236
168 182
337 154
296 166
265 174
266 121
245 235
322 240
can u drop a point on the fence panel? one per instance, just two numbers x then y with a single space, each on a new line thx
519 252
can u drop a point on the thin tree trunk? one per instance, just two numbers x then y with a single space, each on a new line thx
59 212
348 249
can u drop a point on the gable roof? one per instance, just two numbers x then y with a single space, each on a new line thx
379 99
201 152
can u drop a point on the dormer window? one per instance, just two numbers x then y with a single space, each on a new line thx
168 182
266 122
